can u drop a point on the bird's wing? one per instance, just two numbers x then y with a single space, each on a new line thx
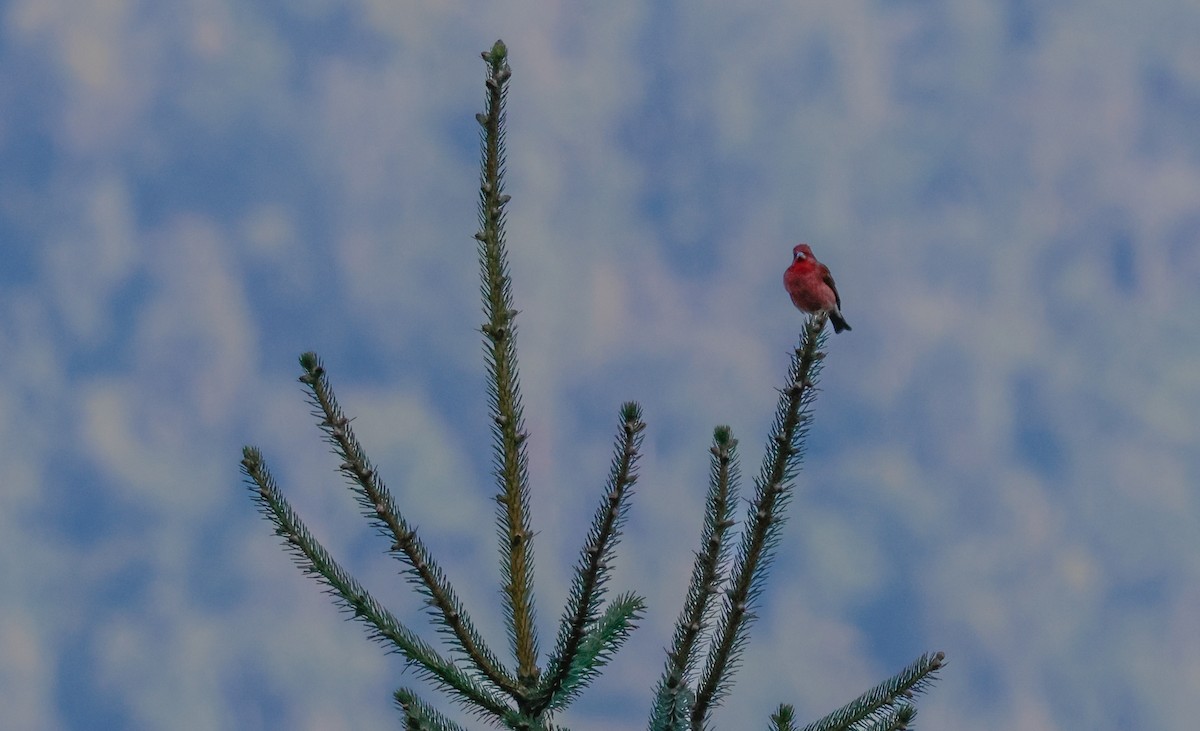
828 279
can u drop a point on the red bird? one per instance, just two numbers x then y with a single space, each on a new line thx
811 287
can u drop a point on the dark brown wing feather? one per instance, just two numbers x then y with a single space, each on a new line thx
828 279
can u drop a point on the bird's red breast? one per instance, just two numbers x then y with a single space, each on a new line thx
809 283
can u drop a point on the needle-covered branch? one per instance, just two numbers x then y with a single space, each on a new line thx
887 703
420 716
315 561
673 698
504 391
595 562
896 719
783 719
379 506
785 450
599 643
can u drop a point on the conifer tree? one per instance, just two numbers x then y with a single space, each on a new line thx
728 576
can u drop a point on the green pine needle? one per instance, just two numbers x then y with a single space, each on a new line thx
783 719
419 716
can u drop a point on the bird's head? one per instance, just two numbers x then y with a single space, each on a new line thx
801 252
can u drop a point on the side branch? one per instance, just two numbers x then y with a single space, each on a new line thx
673 698
378 504
601 640
595 561
887 702
419 716
765 516
314 560
783 719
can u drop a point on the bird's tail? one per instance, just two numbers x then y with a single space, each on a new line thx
839 322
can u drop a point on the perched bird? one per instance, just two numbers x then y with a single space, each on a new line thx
811 287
